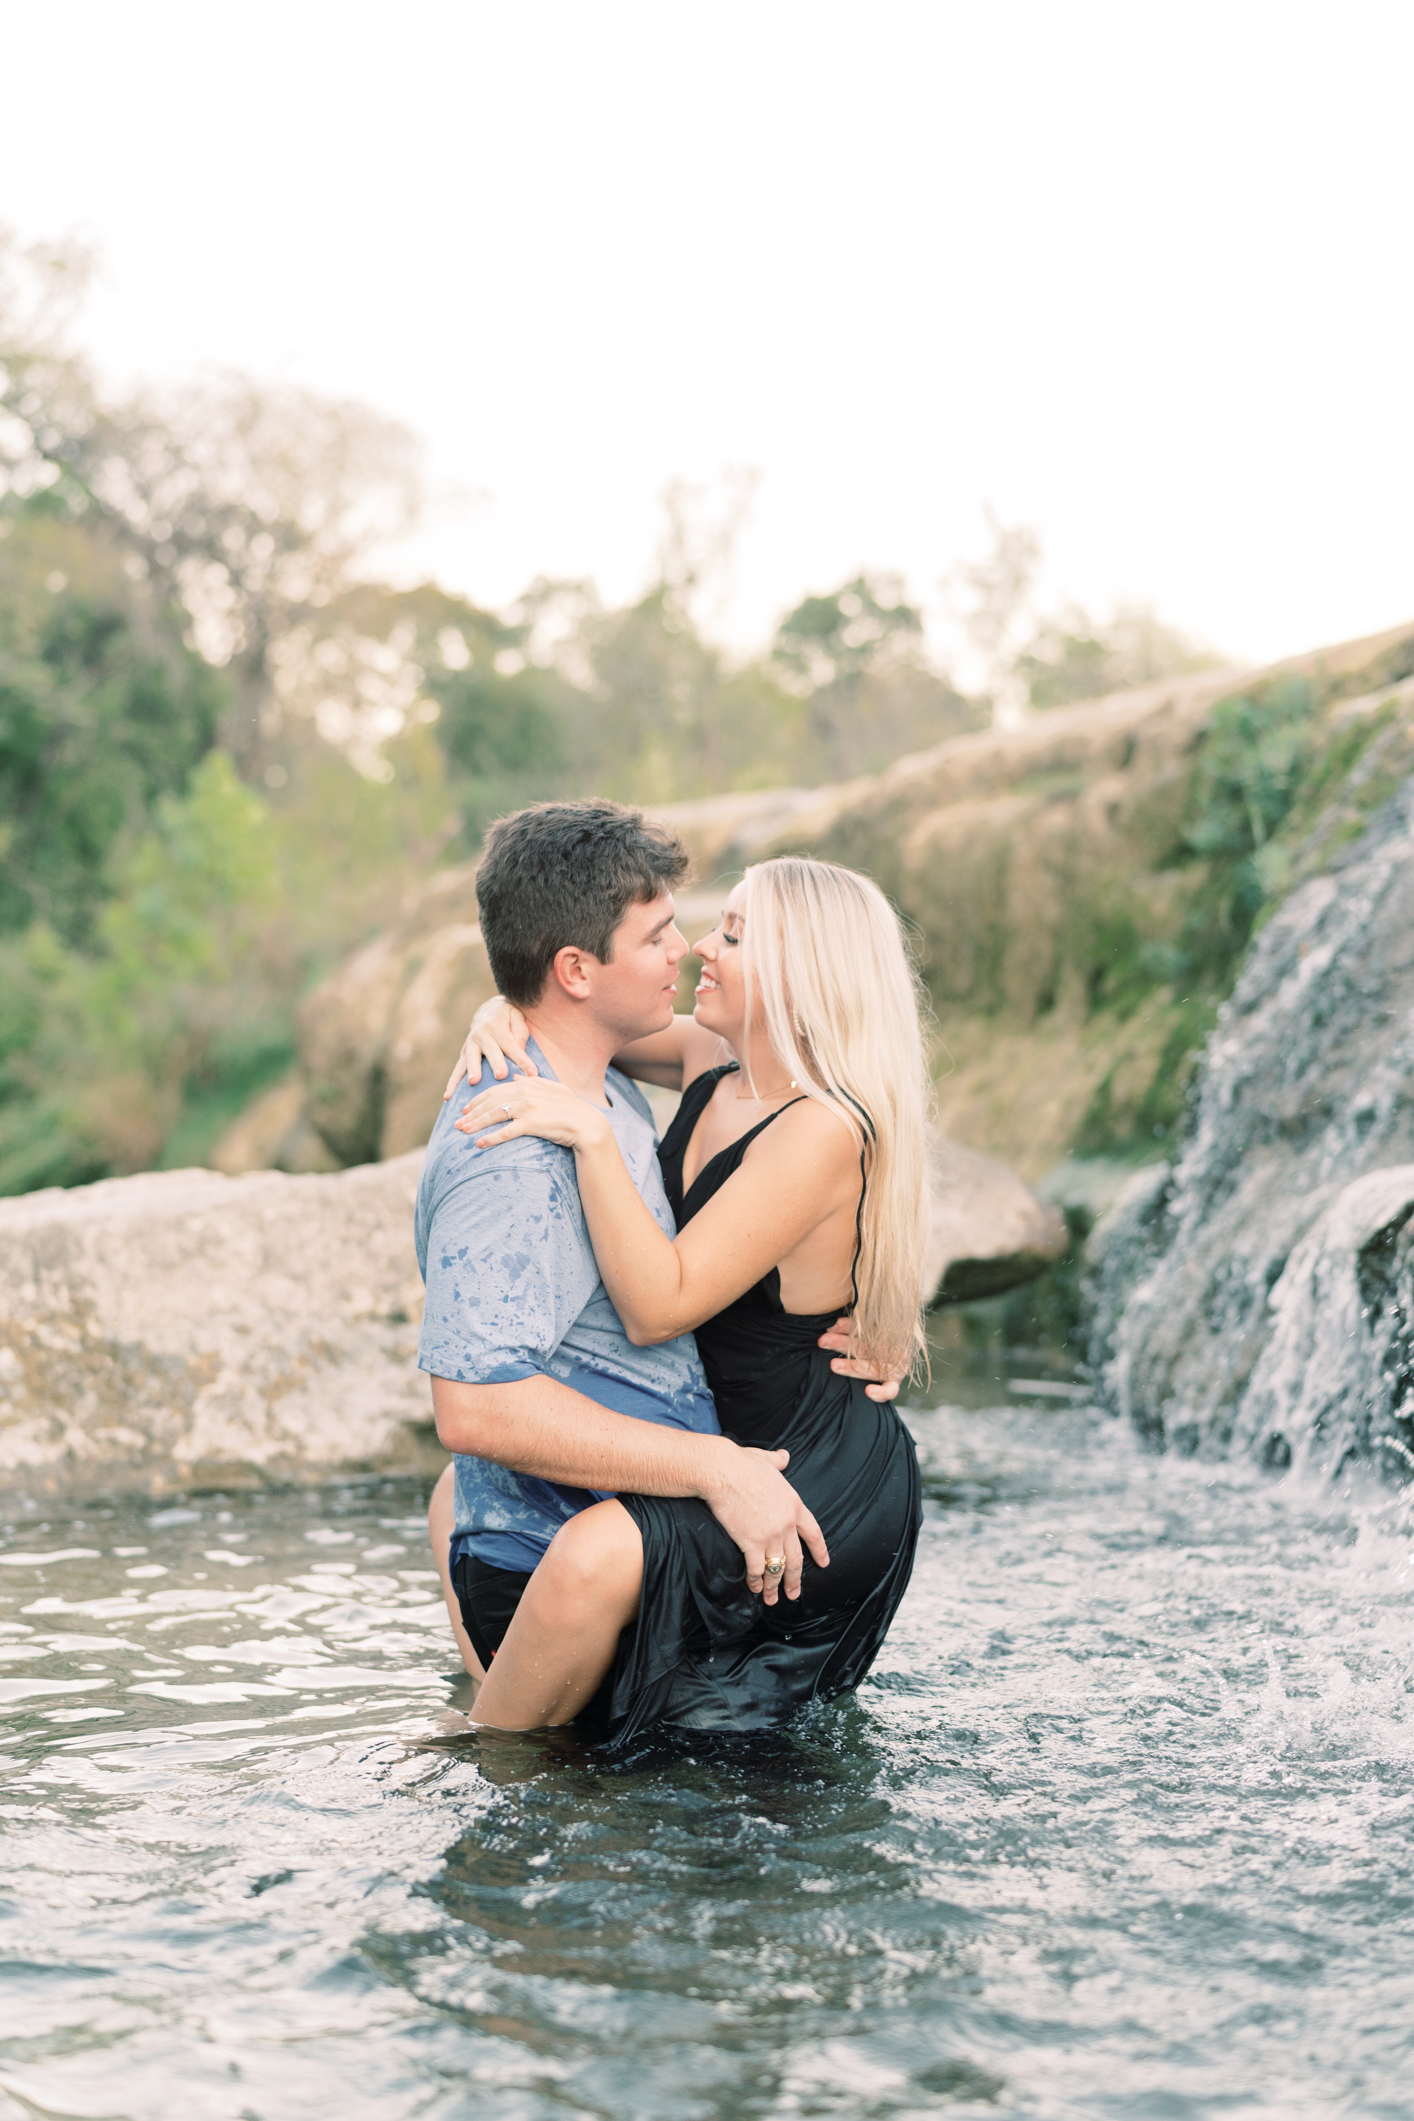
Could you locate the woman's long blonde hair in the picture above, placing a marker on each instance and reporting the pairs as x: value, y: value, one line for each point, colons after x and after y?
x: 830, y: 982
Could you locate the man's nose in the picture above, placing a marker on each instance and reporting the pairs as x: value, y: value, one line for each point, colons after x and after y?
x: 677, y: 944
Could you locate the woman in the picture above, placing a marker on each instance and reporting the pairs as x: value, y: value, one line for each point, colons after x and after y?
x: 795, y: 1170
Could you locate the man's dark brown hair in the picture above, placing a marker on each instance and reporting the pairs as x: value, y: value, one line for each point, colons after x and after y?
x: 563, y: 873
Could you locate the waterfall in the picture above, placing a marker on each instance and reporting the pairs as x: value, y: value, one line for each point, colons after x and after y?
x: 1257, y: 1297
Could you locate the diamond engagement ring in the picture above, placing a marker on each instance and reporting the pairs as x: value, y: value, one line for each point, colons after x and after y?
x: 775, y: 1564
x: 508, y: 1112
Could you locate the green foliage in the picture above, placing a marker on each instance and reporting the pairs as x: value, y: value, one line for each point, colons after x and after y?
x: 663, y: 717
x: 494, y: 727
x: 504, y: 734
x: 191, y: 907
x: 1256, y: 750
x: 853, y: 658
x: 846, y: 633
x: 1277, y: 787
x: 103, y: 1043
x: 1148, y: 1125
x: 241, y: 1062
x: 103, y: 710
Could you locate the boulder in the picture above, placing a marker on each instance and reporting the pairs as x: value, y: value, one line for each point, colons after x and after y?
x: 184, y: 1329
x: 1335, y: 1378
x: 989, y: 1232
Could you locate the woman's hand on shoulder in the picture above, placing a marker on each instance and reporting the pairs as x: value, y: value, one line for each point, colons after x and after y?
x: 498, y: 1034
x: 532, y: 1106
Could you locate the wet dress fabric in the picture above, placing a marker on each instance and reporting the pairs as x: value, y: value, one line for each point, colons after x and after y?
x: 704, y: 1651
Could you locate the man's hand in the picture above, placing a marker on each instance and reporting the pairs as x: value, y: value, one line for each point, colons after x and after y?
x: 758, y: 1508
x: 539, y: 1426
x: 883, y: 1384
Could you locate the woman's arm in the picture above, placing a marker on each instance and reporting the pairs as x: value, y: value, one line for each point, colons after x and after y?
x: 800, y: 1171
x: 673, y: 1057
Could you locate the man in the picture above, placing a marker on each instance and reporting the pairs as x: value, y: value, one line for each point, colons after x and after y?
x: 535, y: 1385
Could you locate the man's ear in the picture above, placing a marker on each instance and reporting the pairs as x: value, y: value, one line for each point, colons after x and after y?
x: 571, y: 970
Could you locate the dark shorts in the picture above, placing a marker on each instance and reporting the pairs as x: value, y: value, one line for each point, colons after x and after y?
x: 488, y: 1596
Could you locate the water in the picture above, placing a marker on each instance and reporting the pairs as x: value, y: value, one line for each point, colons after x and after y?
x: 1121, y: 1825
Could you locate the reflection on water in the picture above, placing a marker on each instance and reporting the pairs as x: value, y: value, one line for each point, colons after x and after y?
x: 1119, y: 1827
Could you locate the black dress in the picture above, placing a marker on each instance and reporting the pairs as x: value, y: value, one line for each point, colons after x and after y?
x: 704, y: 1651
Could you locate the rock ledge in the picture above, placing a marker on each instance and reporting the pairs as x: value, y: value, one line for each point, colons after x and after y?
x: 186, y: 1329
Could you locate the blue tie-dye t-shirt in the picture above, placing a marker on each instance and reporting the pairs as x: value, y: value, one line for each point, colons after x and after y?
x: 513, y: 1291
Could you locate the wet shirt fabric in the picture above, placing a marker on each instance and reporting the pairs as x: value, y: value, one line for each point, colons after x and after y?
x: 513, y: 1291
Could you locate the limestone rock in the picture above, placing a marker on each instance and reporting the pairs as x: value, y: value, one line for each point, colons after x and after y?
x: 182, y: 1328
x: 1336, y: 1375
x: 989, y: 1231
x: 378, y: 1037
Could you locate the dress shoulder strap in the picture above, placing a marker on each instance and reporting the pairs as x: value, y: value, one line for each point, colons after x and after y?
x: 699, y: 1091
x: 763, y: 1124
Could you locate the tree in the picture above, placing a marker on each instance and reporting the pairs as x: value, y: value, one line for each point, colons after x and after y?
x: 103, y: 710
x: 855, y: 657
x: 251, y: 507
x: 1077, y: 657
x: 841, y: 636
x: 257, y: 507
x: 47, y: 396
x: 1033, y: 659
x: 993, y: 599
x: 99, y: 1046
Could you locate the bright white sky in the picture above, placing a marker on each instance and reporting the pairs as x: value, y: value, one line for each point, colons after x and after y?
x: 1135, y: 271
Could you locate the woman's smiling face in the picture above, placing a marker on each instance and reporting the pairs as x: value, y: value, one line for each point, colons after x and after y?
x: 721, y: 991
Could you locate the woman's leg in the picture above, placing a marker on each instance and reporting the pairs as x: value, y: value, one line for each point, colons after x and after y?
x: 567, y: 1625
x: 440, y: 1519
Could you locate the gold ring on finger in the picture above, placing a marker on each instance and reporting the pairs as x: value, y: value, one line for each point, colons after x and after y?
x: 775, y: 1564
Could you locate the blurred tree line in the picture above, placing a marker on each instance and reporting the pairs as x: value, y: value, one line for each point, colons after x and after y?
x: 1032, y: 659
x: 224, y: 742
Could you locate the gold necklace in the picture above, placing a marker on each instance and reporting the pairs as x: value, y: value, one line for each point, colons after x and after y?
x: 759, y: 1100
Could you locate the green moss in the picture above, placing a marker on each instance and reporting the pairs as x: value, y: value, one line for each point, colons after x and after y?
x: 1119, y: 1123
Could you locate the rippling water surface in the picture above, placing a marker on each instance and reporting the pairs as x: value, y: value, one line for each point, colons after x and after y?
x: 1123, y: 1824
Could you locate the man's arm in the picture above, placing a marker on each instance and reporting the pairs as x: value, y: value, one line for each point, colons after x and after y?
x: 542, y: 1427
